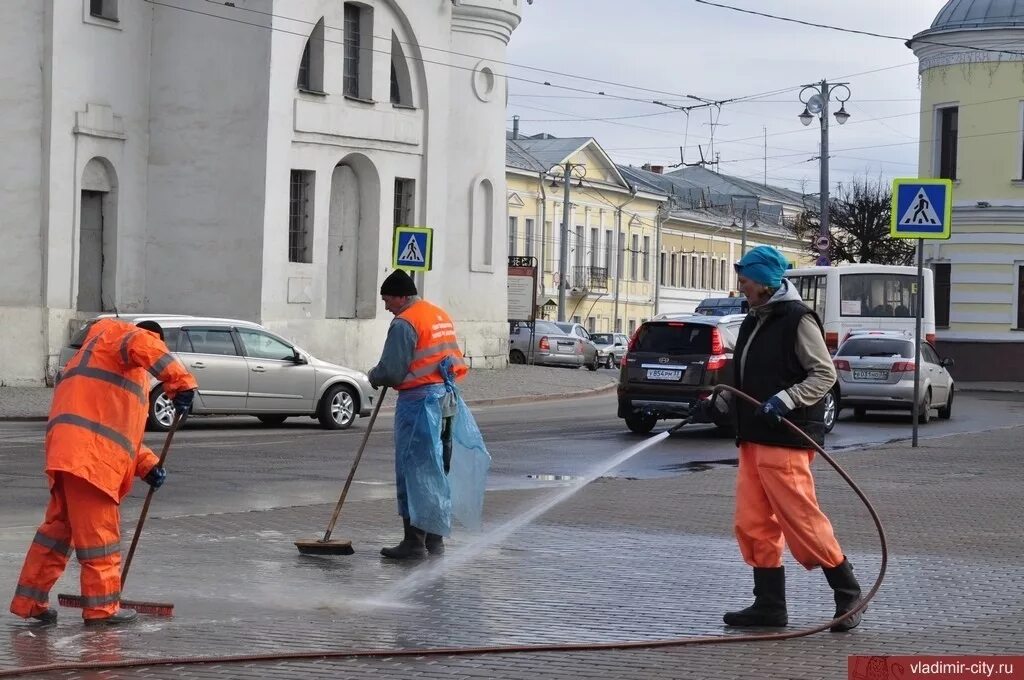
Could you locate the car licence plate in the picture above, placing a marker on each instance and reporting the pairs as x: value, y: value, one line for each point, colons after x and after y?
x: 869, y: 374
x: 662, y: 374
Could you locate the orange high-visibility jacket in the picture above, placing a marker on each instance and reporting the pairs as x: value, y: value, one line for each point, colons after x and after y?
x: 435, y: 340
x: 101, y: 402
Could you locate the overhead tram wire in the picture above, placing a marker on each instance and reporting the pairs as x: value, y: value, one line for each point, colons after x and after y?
x: 872, y: 34
x: 423, y: 59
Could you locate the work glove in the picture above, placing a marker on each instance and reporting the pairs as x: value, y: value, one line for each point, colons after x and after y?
x: 703, y: 411
x: 183, y: 401
x: 155, y: 477
x: 772, y: 411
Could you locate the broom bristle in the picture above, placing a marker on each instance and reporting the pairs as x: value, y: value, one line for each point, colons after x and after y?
x: 325, y: 547
x: 152, y: 608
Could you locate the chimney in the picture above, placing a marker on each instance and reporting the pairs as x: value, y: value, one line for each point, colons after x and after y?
x: 658, y: 169
x: 515, y: 127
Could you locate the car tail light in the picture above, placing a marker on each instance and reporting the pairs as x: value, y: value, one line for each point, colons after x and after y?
x: 841, y: 364
x: 903, y: 367
x: 579, y: 347
x: 930, y: 337
x: 717, y: 362
x: 717, y: 346
x: 544, y: 344
x: 832, y: 341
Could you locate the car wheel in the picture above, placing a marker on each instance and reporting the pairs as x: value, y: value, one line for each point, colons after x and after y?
x: 337, y: 409
x: 946, y: 412
x: 516, y: 357
x: 859, y: 413
x: 925, y: 413
x: 595, y: 365
x: 639, y: 423
x: 609, y: 362
x: 161, y: 411
x: 272, y: 420
x: 831, y: 410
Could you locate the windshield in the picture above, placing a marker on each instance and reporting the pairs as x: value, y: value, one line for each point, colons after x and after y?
x: 602, y: 338
x: 674, y: 338
x: 878, y: 295
x: 877, y: 347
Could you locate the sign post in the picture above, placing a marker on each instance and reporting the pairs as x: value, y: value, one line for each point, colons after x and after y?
x: 921, y: 209
x: 522, y: 295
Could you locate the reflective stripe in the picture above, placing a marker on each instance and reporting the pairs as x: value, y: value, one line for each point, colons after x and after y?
x: 432, y: 367
x: 87, y: 354
x: 99, y: 600
x: 434, y: 349
x: 161, y: 365
x: 109, y: 377
x: 102, y: 551
x: 32, y: 594
x: 53, y: 544
x: 94, y: 427
x: 124, y: 347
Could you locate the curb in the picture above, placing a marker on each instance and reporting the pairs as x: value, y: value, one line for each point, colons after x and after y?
x: 499, y: 401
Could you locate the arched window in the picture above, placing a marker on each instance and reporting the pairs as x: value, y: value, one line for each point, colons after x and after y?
x: 311, y: 66
x: 401, y: 82
x: 97, y: 238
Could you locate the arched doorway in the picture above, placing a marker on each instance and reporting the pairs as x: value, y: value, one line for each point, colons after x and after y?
x: 353, y: 239
x: 97, y: 238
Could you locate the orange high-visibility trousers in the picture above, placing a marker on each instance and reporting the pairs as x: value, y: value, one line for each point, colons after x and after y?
x: 84, y: 517
x: 776, y: 504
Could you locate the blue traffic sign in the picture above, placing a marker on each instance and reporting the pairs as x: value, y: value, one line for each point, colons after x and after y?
x: 413, y: 248
x: 921, y: 208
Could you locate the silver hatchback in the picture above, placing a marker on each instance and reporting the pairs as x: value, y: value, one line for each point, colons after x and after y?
x: 876, y: 371
x: 244, y: 369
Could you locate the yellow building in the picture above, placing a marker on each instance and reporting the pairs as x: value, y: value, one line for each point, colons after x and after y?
x: 610, y: 280
x: 972, y: 111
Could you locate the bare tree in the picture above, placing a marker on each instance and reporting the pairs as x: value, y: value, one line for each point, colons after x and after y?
x: 859, y: 216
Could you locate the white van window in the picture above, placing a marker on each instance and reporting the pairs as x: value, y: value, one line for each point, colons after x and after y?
x: 878, y: 295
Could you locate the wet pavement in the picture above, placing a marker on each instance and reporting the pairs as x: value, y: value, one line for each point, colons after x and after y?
x: 623, y: 559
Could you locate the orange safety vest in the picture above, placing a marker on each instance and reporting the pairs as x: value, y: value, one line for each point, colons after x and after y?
x: 435, y: 340
x: 101, y: 403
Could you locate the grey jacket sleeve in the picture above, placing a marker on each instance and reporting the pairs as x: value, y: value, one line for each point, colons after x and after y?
x: 397, y: 356
x: 813, y: 355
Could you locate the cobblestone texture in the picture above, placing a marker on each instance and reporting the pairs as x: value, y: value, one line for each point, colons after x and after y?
x: 621, y: 560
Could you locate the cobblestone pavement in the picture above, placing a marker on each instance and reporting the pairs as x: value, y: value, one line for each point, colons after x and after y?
x: 620, y: 560
x: 480, y: 386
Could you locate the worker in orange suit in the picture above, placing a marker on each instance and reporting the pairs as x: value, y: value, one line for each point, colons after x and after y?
x: 94, y: 450
x: 781, y: 360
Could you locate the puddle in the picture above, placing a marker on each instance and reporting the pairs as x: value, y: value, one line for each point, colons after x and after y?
x: 699, y: 465
x: 553, y: 478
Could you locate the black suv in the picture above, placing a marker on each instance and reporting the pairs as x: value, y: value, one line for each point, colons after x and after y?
x: 723, y: 306
x: 672, y: 363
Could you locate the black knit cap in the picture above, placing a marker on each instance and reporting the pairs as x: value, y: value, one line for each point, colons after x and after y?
x: 398, y: 284
x: 151, y: 326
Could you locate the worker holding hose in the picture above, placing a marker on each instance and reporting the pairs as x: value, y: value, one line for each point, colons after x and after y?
x: 94, y: 450
x: 422, y: 360
x: 781, y: 360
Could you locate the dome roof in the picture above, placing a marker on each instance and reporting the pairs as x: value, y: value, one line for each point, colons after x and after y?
x: 967, y: 14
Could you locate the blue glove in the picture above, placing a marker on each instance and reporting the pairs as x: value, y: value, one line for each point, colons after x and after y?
x: 773, y: 411
x: 156, y: 477
x: 183, y: 401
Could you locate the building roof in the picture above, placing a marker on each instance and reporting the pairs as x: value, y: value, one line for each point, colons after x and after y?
x: 541, y: 153
x: 698, y: 187
x: 967, y: 14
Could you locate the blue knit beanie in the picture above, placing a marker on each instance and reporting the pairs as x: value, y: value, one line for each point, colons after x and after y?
x: 763, y: 264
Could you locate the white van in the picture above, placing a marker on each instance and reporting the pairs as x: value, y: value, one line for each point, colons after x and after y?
x: 865, y: 296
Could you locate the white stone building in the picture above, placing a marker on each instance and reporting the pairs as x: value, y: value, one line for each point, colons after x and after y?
x: 250, y: 160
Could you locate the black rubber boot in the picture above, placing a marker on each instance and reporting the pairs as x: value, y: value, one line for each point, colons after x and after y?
x: 118, y: 617
x: 769, y: 608
x: 47, y: 618
x: 847, y: 594
x: 412, y: 546
x: 435, y: 544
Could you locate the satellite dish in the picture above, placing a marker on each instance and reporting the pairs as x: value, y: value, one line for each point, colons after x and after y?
x: 815, y: 104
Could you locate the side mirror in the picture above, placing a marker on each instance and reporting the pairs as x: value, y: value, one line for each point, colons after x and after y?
x: 946, y: 363
x: 618, y: 344
x: 298, y: 358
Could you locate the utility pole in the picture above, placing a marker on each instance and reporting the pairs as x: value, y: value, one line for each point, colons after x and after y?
x: 765, y: 155
x: 743, y: 242
x: 817, y: 104
x: 568, y: 169
x: 544, y: 234
x: 620, y: 256
x: 657, y: 257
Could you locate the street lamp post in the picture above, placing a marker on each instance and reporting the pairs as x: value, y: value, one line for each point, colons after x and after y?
x: 816, y: 104
x: 569, y: 170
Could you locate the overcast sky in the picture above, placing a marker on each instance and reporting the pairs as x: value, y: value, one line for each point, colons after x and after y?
x: 684, y: 48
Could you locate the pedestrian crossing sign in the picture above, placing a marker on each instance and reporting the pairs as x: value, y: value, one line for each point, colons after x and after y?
x: 413, y: 247
x: 921, y: 208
